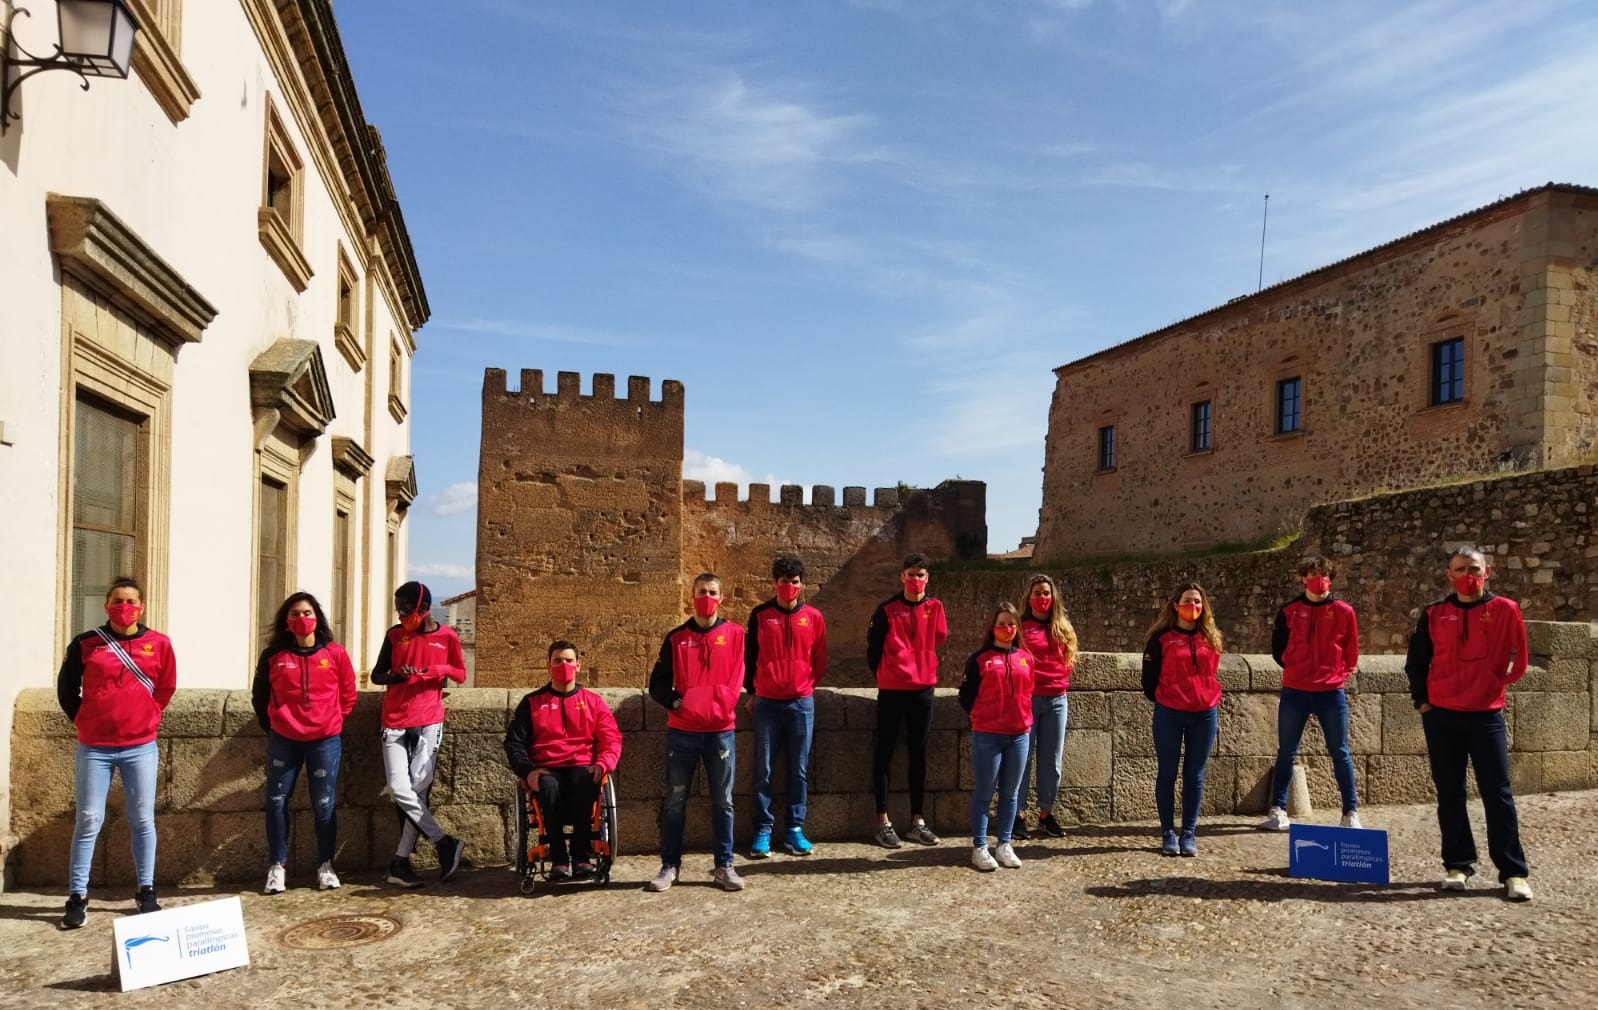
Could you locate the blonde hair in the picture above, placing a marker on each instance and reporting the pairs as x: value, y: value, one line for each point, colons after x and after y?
x: 1206, y: 622
x: 1061, y: 634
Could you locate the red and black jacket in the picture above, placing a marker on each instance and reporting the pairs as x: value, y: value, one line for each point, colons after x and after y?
x: 417, y: 700
x: 105, y: 701
x: 304, y: 694
x: 554, y: 730
x: 1463, y: 655
x: 1179, y: 671
x: 997, y: 690
x: 1316, y: 644
x: 902, y: 643
x: 785, y: 651
x: 1051, y: 675
x: 699, y: 675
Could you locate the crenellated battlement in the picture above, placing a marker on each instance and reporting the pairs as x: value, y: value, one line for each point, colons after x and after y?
x: 790, y: 496
x: 568, y: 389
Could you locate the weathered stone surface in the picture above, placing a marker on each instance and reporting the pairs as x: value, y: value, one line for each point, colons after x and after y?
x: 626, y: 704
x: 194, y: 712
x: 482, y: 827
x: 1133, y: 718
x: 365, y: 721
x: 1402, y: 732
x: 1087, y: 710
x: 1552, y: 721
x: 1107, y: 671
x: 1567, y: 770
x: 1220, y: 785
x: 235, y: 847
x: 479, y: 773
x: 1365, y: 722
x: 238, y: 716
x: 642, y: 773
x: 479, y: 710
x: 42, y: 780
x: 219, y: 774
x: 42, y: 851
x: 1554, y: 638
x: 351, y: 853
x: 1077, y: 805
x: 1383, y: 675
x: 1400, y: 778
x: 1564, y: 674
x: 1088, y: 758
x: 1132, y: 785
x: 1247, y: 724
x: 38, y: 714
x: 1264, y: 674
x: 1525, y: 774
x: 180, y: 846
x: 1234, y: 671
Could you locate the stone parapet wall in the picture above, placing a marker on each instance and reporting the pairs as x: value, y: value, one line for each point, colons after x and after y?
x: 212, y: 755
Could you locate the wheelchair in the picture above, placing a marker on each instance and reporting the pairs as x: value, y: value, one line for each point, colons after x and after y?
x: 533, y: 837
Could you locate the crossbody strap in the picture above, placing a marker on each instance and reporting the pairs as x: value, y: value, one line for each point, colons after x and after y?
x: 127, y: 660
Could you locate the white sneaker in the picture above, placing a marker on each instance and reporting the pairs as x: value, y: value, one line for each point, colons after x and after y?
x: 1516, y: 889
x: 274, y: 879
x: 1351, y: 820
x: 1455, y: 880
x: 1276, y: 820
x: 981, y: 859
x: 726, y: 878
x: 326, y: 879
x: 662, y: 880
x: 1006, y: 857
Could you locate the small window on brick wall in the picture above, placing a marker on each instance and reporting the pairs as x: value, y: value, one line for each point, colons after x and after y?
x: 1289, y: 405
x: 1448, y: 372
x: 1106, y: 457
x: 1200, y: 439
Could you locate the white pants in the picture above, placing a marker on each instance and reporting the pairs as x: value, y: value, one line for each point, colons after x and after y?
x: 410, y: 757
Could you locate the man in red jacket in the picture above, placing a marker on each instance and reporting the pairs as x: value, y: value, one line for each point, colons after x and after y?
x: 698, y: 678
x: 1316, y: 643
x: 562, y: 742
x: 1468, y: 647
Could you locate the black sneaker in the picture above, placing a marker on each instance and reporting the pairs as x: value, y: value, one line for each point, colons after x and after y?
x: 449, y: 856
x: 1049, y: 826
x: 560, y: 873
x: 1019, y: 832
x: 145, y: 900
x: 77, y: 911
x: 400, y: 872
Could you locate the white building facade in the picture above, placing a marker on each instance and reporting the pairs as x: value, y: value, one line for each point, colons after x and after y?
x: 208, y: 301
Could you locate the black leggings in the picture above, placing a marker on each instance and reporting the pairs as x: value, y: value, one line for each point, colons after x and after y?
x: 914, y: 709
x: 566, y: 796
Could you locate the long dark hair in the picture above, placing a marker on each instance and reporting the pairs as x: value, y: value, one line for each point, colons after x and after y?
x: 283, y: 638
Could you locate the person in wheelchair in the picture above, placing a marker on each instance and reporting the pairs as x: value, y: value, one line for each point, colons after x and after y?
x: 561, y: 743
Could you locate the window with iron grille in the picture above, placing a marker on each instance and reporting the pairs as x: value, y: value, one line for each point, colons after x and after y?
x: 1107, y: 447
x: 1289, y: 405
x: 1201, y: 426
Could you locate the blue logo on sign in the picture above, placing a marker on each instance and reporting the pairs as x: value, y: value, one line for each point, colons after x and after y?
x: 139, y: 941
x: 1351, y: 855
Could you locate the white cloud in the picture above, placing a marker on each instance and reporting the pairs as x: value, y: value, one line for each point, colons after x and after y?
x: 454, y: 500
x: 697, y: 465
x: 444, y: 571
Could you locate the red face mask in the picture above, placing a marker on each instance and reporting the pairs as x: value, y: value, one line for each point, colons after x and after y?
x: 302, y: 624
x: 1003, y: 633
x: 1042, y: 604
x: 1318, y: 584
x: 915, y: 587
x: 562, y: 672
x: 787, y: 593
x: 1189, y: 611
x: 705, y: 606
x: 1468, y: 585
x: 410, y: 622
x: 124, y: 615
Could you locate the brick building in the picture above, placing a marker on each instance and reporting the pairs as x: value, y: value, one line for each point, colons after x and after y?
x: 1468, y: 348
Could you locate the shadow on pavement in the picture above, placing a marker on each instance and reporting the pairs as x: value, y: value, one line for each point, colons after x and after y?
x: 1283, y: 889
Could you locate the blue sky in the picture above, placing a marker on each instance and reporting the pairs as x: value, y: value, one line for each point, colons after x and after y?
x: 862, y: 234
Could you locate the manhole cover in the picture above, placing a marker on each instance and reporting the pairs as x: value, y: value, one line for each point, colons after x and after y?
x: 338, y: 931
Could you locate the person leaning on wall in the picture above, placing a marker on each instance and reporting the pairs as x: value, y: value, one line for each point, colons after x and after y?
x: 1179, y: 676
x: 114, y: 684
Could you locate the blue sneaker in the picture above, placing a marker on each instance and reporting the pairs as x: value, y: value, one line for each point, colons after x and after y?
x: 760, y: 848
x: 796, y: 843
x: 1189, y: 844
x: 1168, y: 845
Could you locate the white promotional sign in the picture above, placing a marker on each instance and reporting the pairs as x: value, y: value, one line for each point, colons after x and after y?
x: 176, y: 943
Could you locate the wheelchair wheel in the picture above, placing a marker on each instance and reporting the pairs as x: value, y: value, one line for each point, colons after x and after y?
x: 606, y: 847
x: 526, y: 869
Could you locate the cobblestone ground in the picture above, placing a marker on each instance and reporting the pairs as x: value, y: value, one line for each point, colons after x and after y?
x: 1096, y: 920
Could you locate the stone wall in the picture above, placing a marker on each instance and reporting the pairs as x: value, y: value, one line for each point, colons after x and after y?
x: 1514, y: 280
x: 210, y: 794
x: 1537, y: 529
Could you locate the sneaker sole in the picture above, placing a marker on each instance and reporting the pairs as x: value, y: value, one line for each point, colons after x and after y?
x: 1452, y: 885
x: 412, y: 884
x: 454, y: 866
x: 797, y: 852
x: 758, y: 854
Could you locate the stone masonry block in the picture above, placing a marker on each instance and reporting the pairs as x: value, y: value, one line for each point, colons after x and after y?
x: 859, y: 705
x: 1254, y: 780
x: 1234, y: 671
x: 1088, y: 710
x: 829, y: 710
x: 1365, y: 720
x: 365, y: 719
x: 637, y: 826
x: 1397, y: 778
x: 842, y: 760
x: 1552, y: 722
x: 1562, y: 640
x: 218, y: 774
x: 826, y: 816
x: 1133, y: 789
x: 1525, y: 773
x: 180, y: 846
x: 361, y: 780
x: 41, y: 853
x: 946, y: 711
x: 481, y: 826
x: 1083, y: 806
x: 194, y: 712
x: 1132, y: 718
x: 1402, y: 732
x: 967, y: 771
x: 238, y: 716
x: 43, y: 780
x: 351, y: 851
x: 1567, y: 770
x: 1108, y: 671
x: 37, y: 713
x: 479, y: 773
x: 1264, y: 674
x: 1248, y: 724
x: 626, y: 704
x: 1567, y: 675
x: 235, y: 846
x: 1088, y: 760
x: 1383, y: 675
x: 1220, y: 785
x: 950, y: 815
x: 478, y: 710
x: 642, y: 773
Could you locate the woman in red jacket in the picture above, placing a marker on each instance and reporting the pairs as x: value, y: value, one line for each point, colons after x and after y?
x: 114, y: 684
x: 1179, y: 666
x: 1046, y: 633
x: 304, y: 687
x: 997, y: 693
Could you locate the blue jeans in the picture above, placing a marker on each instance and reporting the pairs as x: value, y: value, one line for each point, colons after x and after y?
x: 997, y: 759
x: 1174, y: 732
x: 1453, y: 740
x: 685, y: 751
x: 1047, y: 747
x: 92, y: 773
x: 1330, y: 709
x: 283, y: 760
x: 784, y: 725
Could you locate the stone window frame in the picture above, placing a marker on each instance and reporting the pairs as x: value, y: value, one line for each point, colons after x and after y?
x: 156, y: 60
x: 1435, y: 380
x: 278, y: 462
x: 1203, y: 390
x: 1201, y: 426
x: 280, y: 219
x: 1107, y: 422
x: 351, y: 465
x: 1443, y: 330
x: 396, y: 380
x: 1292, y: 367
x: 347, y: 312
